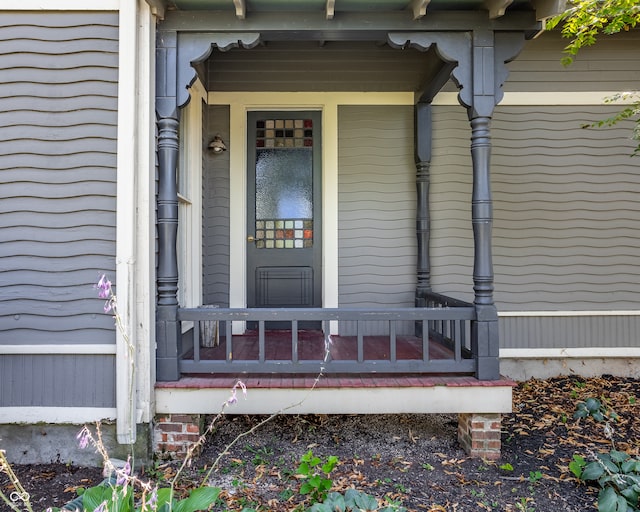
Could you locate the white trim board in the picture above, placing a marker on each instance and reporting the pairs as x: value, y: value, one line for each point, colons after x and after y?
x: 383, y: 400
x: 59, y: 5
x: 570, y: 353
x: 540, y: 98
x: 58, y: 349
x: 74, y: 415
x: 523, y: 314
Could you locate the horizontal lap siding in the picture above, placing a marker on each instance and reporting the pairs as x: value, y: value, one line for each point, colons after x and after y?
x: 216, y: 210
x: 376, y: 208
x: 58, y: 138
x: 610, y: 65
x: 565, y: 222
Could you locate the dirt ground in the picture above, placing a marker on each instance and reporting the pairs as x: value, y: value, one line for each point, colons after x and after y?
x: 413, y: 460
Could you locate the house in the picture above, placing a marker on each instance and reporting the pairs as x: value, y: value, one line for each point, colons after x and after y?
x: 449, y: 224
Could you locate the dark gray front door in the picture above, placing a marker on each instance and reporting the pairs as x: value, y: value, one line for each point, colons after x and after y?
x: 284, y: 244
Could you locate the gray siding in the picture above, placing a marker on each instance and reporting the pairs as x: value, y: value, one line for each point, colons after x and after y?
x: 610, y: 65
x: 216, y: 210
x: 565, y: 222
x: 570, y: 332
x: 58, y: 126
x: 376, y: 207
x: 34, y: 380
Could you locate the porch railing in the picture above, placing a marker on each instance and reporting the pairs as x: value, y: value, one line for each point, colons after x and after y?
x: 448, y: 335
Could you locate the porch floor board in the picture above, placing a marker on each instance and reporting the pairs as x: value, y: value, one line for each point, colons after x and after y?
x: 360, y: 381
x: 311, y: 347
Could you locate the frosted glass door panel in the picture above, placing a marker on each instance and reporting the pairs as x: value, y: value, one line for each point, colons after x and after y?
x: 284, y: 184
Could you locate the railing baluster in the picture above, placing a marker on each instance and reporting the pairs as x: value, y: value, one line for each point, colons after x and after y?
x: 425, y: 346
x: 196, y: 341
x: 392, y: 340
x: 261, y: 351
x: 360, y: 341
x: 228, y: 338
x: 458, y: 341
x: 294, y: 341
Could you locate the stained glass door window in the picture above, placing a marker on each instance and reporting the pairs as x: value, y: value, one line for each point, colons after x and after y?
x: 284, y: 183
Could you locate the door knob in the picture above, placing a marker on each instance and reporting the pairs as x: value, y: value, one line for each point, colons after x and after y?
x: 250, y: 239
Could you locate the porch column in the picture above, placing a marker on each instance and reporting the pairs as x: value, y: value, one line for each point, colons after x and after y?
x: 423, y: 223
x: 167, y: 112
x: 167, y: 325
x: 484, y: 331
x: 490, y: 51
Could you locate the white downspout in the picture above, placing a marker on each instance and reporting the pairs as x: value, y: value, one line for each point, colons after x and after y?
x: 126, y: 222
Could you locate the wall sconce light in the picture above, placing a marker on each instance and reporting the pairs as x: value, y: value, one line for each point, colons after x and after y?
x: 217, y: 145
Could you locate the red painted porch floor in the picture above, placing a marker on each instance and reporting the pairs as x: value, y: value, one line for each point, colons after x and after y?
x: 311, y: 346
x: 358, y: 381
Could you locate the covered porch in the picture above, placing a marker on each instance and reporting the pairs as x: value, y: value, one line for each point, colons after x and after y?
x: 439, y: 45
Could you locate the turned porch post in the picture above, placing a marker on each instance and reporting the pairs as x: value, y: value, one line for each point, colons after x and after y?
x: 490, y: 51
x: 423, y: 224
x: 167, y: 114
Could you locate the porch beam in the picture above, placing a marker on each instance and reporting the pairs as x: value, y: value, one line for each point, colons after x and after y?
x: 289, y: 26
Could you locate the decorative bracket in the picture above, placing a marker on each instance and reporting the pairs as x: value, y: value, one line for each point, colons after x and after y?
x: 451, y: 47
x: 177, y: 52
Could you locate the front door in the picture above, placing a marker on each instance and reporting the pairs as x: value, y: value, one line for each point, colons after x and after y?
x: 284, y: 252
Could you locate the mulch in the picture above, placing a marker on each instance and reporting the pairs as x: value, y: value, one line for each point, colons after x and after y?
x: 413, y: 460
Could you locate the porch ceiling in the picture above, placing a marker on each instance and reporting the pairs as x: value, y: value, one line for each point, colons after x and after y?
x: 333, y: 66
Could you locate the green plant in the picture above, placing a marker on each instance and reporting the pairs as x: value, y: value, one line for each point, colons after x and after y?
x: 315, y: 474
x: 261, y: 455
x: 617, y: 474
x: 596, y: 409
x: 506, y: 467
x: 356, y: 501
x: 523, y: 505
x: 535, y: 476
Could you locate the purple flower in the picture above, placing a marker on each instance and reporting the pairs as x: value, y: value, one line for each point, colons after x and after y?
x: 83, y: 437
x: 153, y: 500
x: 124, y: 473
x: 101, y: 507
x: 104, y: 287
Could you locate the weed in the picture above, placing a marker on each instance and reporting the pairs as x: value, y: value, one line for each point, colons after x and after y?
x: 427, y: 466
x: 315, y: 474
x: 535, y: 476
x: 506, y: 467
x: 261, y: 456
x: 525, y: 505
x: 592, y: 407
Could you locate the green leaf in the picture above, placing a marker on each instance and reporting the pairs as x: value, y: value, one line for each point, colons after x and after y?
x: 592, y: 471
x: 592, y: 404
x: 631, y: 495
x: 576, y: 465
x: 506, y: 466
x: 164, y: 495
x: 199, y: 499
x: 366, y: 502
x: 336, y: 502
x: 609, y: 501
x: 618, y: 456
x: 322, y: 507
x: 95, y: 496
